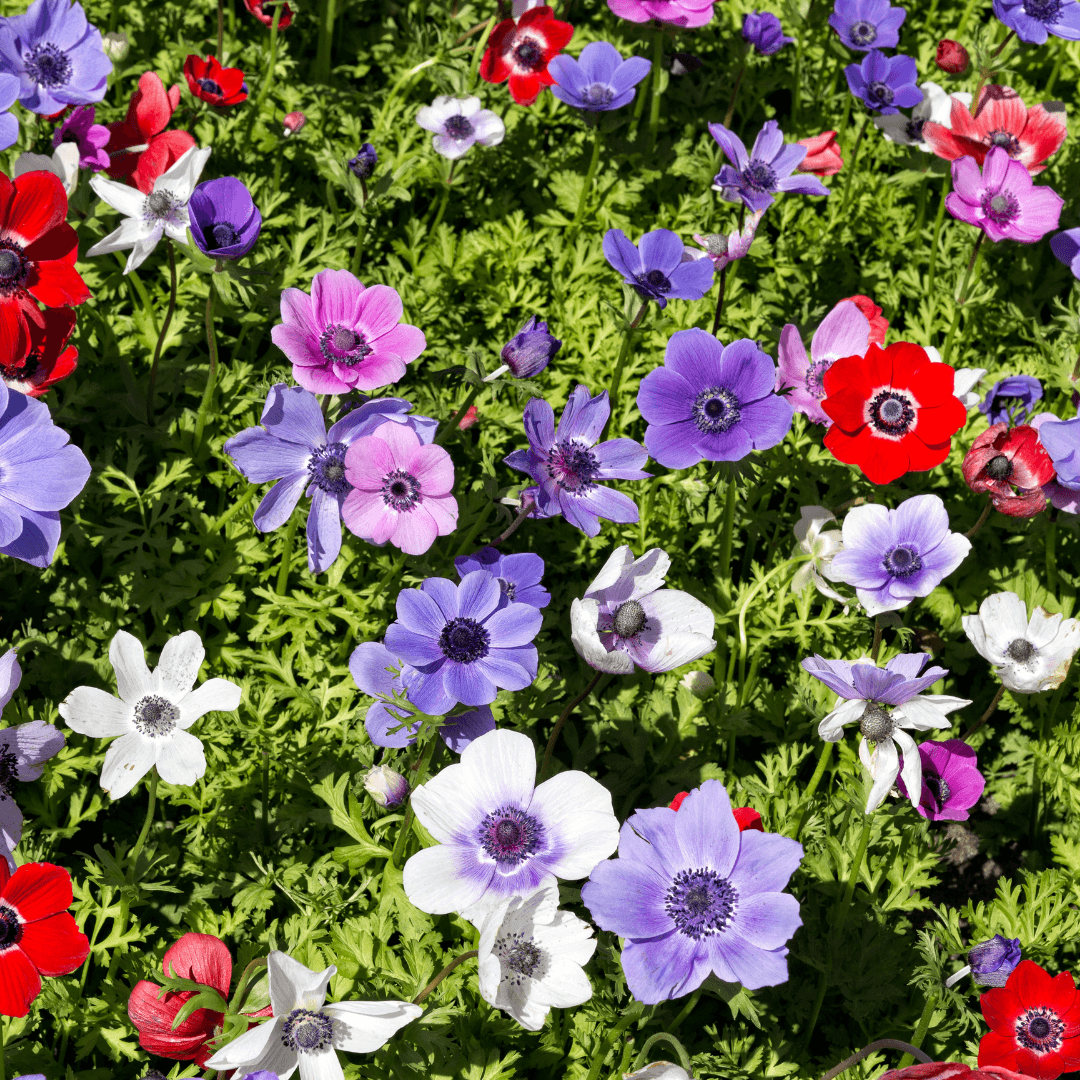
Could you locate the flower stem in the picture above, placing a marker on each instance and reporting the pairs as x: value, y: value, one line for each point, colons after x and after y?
x: 920, y: 1032
x: 164, y: 331
x: 423, y: 766
x: 856, y: 866
x: 268, y: 75
x: 1061, y: 57
x: 566, y: 714
x: 1036, y: 778
x: 590, y: 176
x: 657, y: 72
x: 870, y: 1048
x: 451, y: 425
x: 854, y: 162
x: 938, y: 222
x: 735, y: 93
x: 445, y: 199
x: 876, y: 647
x: 724, y: 568
x: 811, y: 788
x: 361, y: 235
x: 151, y: 803
x: 211, y: 377
x: 327, y: 14
x: 481, y: 45
x: 286, y: 556
x: 220, y: 31
x: 982, y: 518
x: 624, y: 352
x: 720, y: 297
x: 442, y: 974
x: 632, y: 1013
x: 512, y: 527
x: 663, y: 1036
x: 961, y: 296
x: 991, y: 709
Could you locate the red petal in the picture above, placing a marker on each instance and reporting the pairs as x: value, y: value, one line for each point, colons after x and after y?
x: 923, y: 456
x: 39, y: 204
x: 747, y: 818
x: 932, y: 384
x: 14, y: 345
x: 152, y: 107
x: 940, y: 423
x: 1023, y: 504
x: 1043, y: 135
x: 164, y: 150
x: 846, y: 408
x: 1000, y: 1008
x: 195, y: 67
x: 201, y: 957
x: 844, y: 447
x: 55, y: 946
x: 678, y: 800
x: 38, y: 890
x: 906, y: 360
x: 997, y: 1049
x: 153, y: 1020
x: 55, y: 284
x: 885, y: 461
x: 854, y: 373
x: 1000, y: 109
x: 525, y: 89
x: 1041, y: 1066
x: 19, y: 982
x: 60, y: 243
x: 7, y: 193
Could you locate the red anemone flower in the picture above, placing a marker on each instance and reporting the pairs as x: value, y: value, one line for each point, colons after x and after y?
x: 140, y: 147
x: 893, y: 411
x: 255, y: 7
x: 38, y: 249
x: 745, y: 816
x: 520, y: 52
x: 878, y: 325
x: 1029, y: 135
x: 1034, y: 1023
x: 949, y: 1070
x: 50, y: 358
x: 1003, y: 459
x: 214, y: 84
x: 38, y: 936
x: 822, y: 155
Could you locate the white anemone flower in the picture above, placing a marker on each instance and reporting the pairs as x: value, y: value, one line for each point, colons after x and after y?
x: 626, y: 618
x: 531, y: 956
x: 305, y: 1031
x: 1029, y: 656
x: 821, y: 546
x: 164, y: 212
x: 152, y: 713
x: 458, y: 123
x: 964, y: 383
x: 936, y: 105
x: 63, y: 163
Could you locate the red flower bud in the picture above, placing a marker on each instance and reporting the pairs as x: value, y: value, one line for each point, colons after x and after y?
x: 471, y: 416
x: 293, y: 122
x: 952, y: 57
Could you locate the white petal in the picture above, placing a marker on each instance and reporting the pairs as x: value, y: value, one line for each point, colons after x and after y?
x: 674, y: 650
x: 812, y: 519
x: 321, y: 1065
x: 973, y: 627
x: 66, y: 156
x: 293, y: 986
x: 362, y: 1027
x: 127, y: 761
x: 131, y: 231
x: 659, y: 1070
x: 577, y: 814
x: 927, y: 711
x: 885, y: 765
x: 584, y: 618
x: 500, y: 768
x: 215, y: 695
x: 128, y: 200
x: 564, y: 985
x: 912, y: 771
x: 964, y: 382
x: 178, y: 667
x: 895, y: 128
x: 1004, y: 619
x: 626, y: 578
x: 831, y: 728
x: 133, y: 679
x: 936, y: 105
x: 180, y: 758
x: 826, y: 589
x: 1043, y: 628
x: 182, y: 176
x: 144, y: 247
x: 679, y: 612
x: 255, y: 1050
x: 92, y: 712
x: 442, y: 879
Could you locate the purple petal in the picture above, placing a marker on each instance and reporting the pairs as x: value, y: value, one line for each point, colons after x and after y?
x: 731, y: 144
x: 458, y: 731
x: 280, y: 501
x: 661, y: 249
x: 323, y: 531
x: 584, y: 417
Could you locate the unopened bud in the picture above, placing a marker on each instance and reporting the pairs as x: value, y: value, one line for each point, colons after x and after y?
x: 659, y: 1070
x: 386, y: 787
x: 993, y: 961
x: 530, y: 350
x: 472, y: 414
x: 700, y: 683
x: 952, y: 57
x: 293, y: 122
x: 363, y: 165
x: 115, y: 45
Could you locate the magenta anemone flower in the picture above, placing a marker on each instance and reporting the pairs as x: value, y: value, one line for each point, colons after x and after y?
x: 951, y: 781
x: 686, y: 13
x: 91, y: 138
x: 344, y: 336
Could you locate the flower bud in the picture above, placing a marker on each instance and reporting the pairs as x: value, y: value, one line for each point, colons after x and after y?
x: 530, y: 350
x: 952, y: 57
x: 472, y: 414
x: 293, y: 122
x: 363, y: 165
x: 747, y: 818
x: 683, y: 63
x: 115, y: 45
x: 992, y: 961
x: 386, y: 787
x: 700, y: 683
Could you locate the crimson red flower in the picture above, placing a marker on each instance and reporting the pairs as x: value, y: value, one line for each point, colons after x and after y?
x: 1034, y: 1023
x: 49, y: 359
x: 952, y: 57
x: 949, y: 1070
x: 1011, y: 466
x: 822, y: 155
x: 1029, y: 135
x: 38, y: 249
x: 520, y: 52
x: 745, y: 817
x: 214, y: 84
x: 878, y: 325
x: 893, y: 411
x: 140, y: 147
x: 37, y: 934
x: 255, y: 7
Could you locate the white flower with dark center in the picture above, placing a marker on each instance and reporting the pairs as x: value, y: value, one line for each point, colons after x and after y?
x: 821, y: 546
x: 152, y: 714
x: 626, y: 618
x: 1029, y: 656
x: 532, y: 955
x: 458, y: 123
x: 936, y: 105
x: 164, y: 212
x: 305, y: 1031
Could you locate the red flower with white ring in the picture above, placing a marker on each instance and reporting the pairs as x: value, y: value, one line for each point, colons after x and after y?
x: 893, y: 411
x: 1011, y: 466
x: 38, y: 936
x: 50, y: 358
x: 1034, y: 1023
x: 520, y: 52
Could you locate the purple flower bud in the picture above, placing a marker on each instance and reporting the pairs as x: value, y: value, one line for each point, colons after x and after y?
x: 363, y: 165
x: 388, y: 788
x: 530, y: 350
x: 763, y: 31
x: 992, y: 961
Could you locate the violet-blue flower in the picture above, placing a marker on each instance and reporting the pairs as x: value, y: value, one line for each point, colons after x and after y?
x: 79, y: 128
x: 599, y: 80
x: 461, y: 643
x: 762, y: 29
x: 1061, y: 440
x: 693, y: 896
x: 711, y: 402
x: 993, y: 961
x: 519, y: 576
x: 655, y: 268
x: 867, y: 24
x: 1010, y: 400
x: 530, y: 350
x: 569, y: 465
x: 884, y: 83
x: 755, y: 178
x: 363, y: 165
x: 56, y: 54
x: 225, y: 221
x: 1035, y: 20
x: 294, y: 448
x: 9, y: 122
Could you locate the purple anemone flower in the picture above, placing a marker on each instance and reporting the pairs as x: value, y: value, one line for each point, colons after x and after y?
x: 599, y: 80
x: 867, y: 24
x: 1010, y: 400
x: 363, y: 165
x: 225, y: 221
x: 710, y: 402
x: 369, y: 666
x: 499, y: 834
x: 519, y: 576
x: 655, y: 268
x: 568, y: 465
x: 762, y: 29
x: 885, y: 84
x: 462, y: 643
x: 951, y: 781
x: 1061, y: 440
x: 993, y: 961
x: 9, y: 122
x: 756, y: 177
x: 1034, y: 20
x: 79, y: 127
x: 694, y: 896
x: 1066, y: 248
x: 294, y: 448
x: 56, y: 54
x: 530, y: 350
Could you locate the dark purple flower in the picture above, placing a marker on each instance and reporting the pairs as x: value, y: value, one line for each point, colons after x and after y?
x: 867, y: 24
x: 755, y: 178
x: 363, y: 165
x: 993, y: 961
x: 294, y: 447
x: 519, y: 576
x: 461, y: 643
x: 1066, y: 248
x: 951, y: 781
x: 711, y: 403
x: 568, y: 465
x: 1034, y: 20
x: 694, y: 896
x: 599, y: 80
x: 225, y: 222
x: 763, y: 31
x: 655, y: 268
x: 530, y: 350
x: 883, y: 83
x: 56, y: 54
x: 1010, y: 400
x: 368, y: 666
x: 79, y: 127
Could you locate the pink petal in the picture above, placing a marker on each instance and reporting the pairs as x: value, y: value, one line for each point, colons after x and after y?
x: 415, y: 532
x: 444, y: 510
x: 298, y: 344
x: 319, y: 380
x: 378, y: 311
x: 403, y: 341
x: 377, y: 371
x: 368, y: 461
x: 336, y: 297
x: 433, y: 468
x: 402, y: 441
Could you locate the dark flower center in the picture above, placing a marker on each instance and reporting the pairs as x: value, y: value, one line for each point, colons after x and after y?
x: 224, y: 234
x: 70, y: 136
x: 1046, y: 11
x: 9, y: 772
x: 1040, y: 1029
x: 160, y: 206
x: 13, y: 267
x: 523, y: 957
x: 305, y: 1031
x: 48, y: 66
x: 464, y: 641
x: 529, y: 55
x: 509, y: 589
x: 11, y: 930
x: 599, y: 94
x: 1021, y: 650
x: 155, y: 716
x: 510, y: 836
x: 327, y: 468
x: 902, y: 561
x: 815, y: 378
x: 1001, y: 207
x: 880, y: 94
x: 629, y: 619
x: 999, y: 467
x: 759, y: 175
x: 715, y: 410
x: 343, y: 345
x: 208, y: 86
x: 458, y: 127
x: 940, y: 791
x: 876, y: 723
x: 892, y: 413
x: 914, y: 129
x: 401, y: 490
x: 1006, y: 140
x: 22, y: 372
x: 863, y: 32
x: 572, y: 466
x: 653, y: 284
x: 700, y: 902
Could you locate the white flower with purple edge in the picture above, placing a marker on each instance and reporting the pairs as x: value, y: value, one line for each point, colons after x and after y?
x: 458, y: 123
x: 499, y: 835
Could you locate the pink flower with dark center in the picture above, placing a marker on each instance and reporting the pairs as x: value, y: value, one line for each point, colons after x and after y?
x: 344, y: 336
x: 951, y: 781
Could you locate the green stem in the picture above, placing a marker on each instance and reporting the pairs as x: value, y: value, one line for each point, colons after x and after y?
x: 796, y: 80
x: 620, y: 363
x: 1036, y: 778
x: 211, y: 377
x: 395, y: 569
x: 724, y: 567
x: 920, y: 1031
x: 657, y: 72
x: 982, y: 519
x: 632, y: 1013
x: 850, y: 169
x: 686, y: 1010
x: 735, y: 93
x: 972, y: 268
x: 875, y: 649
x: 964, y: 20
x: 327, y: 14
x: 423, y: 767
x: 856, y: 866
x: 444, y: 202
x: 945, y: 185
x: 361, y: 234
x: 721, y: 292
x: 590, y: 176
x: 136, y: 851
x: 1062, y: 47
x: 663, y: 1036
x: 221, y: 31
x: 481, y: 45
x: 991, y: 709
x: 268, y: 75
x: 442, y: 974
x: 811, y: 788
x: 286, y: 556
x: 563, y: 717
x: 164, y: 331
x: 450, y: 426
